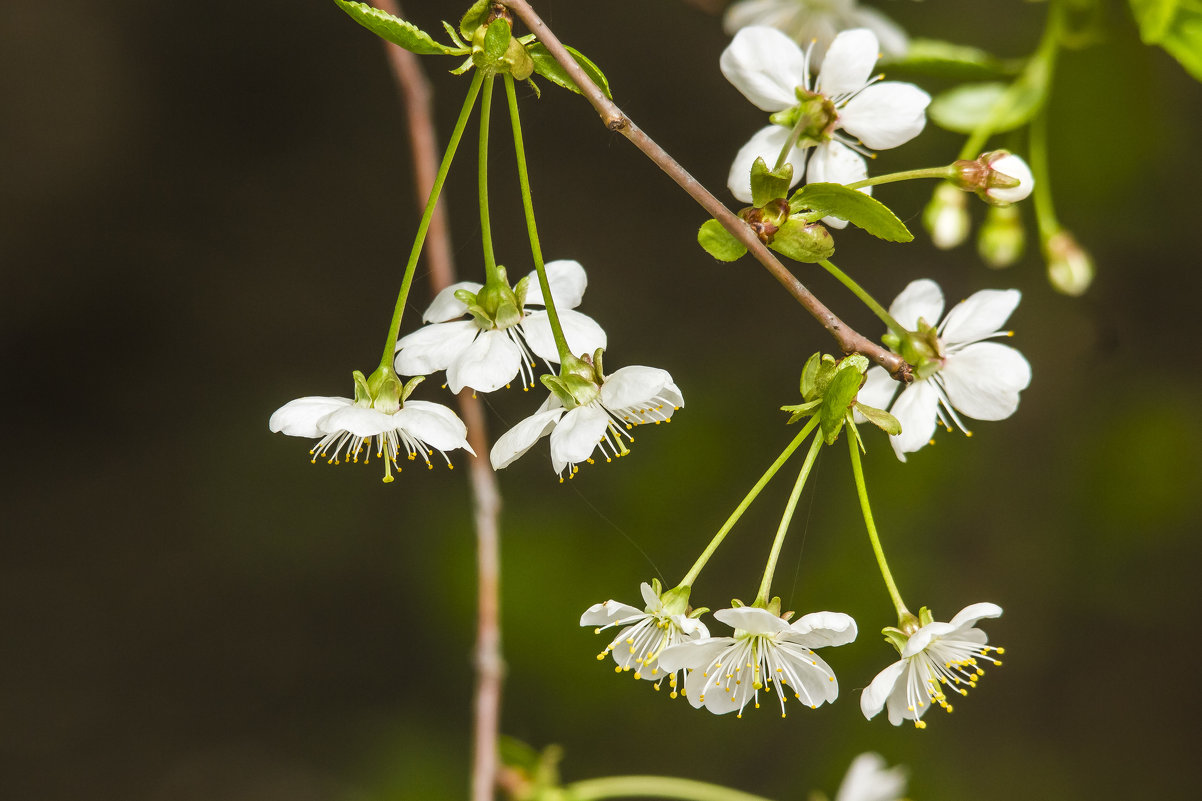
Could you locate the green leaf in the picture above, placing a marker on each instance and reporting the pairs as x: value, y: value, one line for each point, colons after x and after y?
x: 854, y: 206
x: 476, y: 16
x: 967, y: 107
x: 946, y: 60
x: 809, y: 376
x: 808, y: 243
x: 839, y: 395
x: 496, y: 40
x: 546, y: 66
x: 880, y: 418
x: 394, y: 30
x: 1175, y: 25
x: 718, y: 242
x: 801, y: 410
x: 767, y: 185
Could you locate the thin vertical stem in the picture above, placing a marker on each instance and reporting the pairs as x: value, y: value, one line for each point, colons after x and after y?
x: 415, y: 96
x: 862, y: 491
x: 490, y: 260
x: 761, y: 598
x: 868, y: 300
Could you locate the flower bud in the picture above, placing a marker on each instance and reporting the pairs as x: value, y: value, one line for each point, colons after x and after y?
x: 998, y: 177
x: 946, y: 217
x: 766, y: 220
x: 1070, y: 267
x: 1002, y: 237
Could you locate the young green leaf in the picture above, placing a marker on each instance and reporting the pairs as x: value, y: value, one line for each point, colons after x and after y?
x: 546, y: 66
x: 854, y: 206
x: 880, y: 418
x: 948, y: 60
x: 767, y: 185
x: 967, y: 107
x: 1175, y: 25
x: 394, y: 30
x: 839, y: 395
x: 718, y: 242
x: 474, y: 17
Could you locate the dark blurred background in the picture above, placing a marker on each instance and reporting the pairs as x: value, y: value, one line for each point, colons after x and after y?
x: 204, y: 213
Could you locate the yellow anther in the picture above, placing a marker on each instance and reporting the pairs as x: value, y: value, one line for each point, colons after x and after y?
x: 920, y: 724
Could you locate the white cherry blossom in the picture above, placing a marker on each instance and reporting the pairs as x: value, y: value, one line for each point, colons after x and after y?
x: 817, y: 21
x: 629, y: 397
x: 766, y: 653
x: 644, y: 634
x: 347, y: 430
x: 488, y: 359
x: 832, y: 118
x: 934, y: 659
x: 956, y: 371
x: 869, y: 778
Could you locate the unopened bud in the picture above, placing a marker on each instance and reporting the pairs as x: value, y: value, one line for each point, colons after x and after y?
x: 1002, y: 237
x: 946, y: 217
x: 1070, y: 267
x: 998, y: 177
x: 805, y: 242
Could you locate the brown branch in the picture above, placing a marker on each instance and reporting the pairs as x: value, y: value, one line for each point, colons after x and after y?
x: 486, y: 716
x: 848, y: 339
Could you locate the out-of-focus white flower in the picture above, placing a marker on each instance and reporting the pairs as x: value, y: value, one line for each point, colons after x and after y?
x: 935, y: 658
x: 488, y: 351
x: 829, y: 118
x: 954, y: 369
x: 817, y: 21
x: 766, y: 653
x: 645, y: 634
x: 946, y: 216
x: 600, y: 415
x: 869, y: 778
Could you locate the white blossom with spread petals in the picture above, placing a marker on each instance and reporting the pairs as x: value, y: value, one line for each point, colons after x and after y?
x: 766, y: 653
x: 347, y: 430
x: 644, y: 634
x: 842, y: 111
x: 960, y: 372
x: 936, y: 658
x: 869, y: 778
x: 486, y: 360
x: 817, y: 21
x: 629, y: 397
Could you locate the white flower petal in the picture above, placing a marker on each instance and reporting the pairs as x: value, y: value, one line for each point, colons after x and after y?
x: 446, y: 306
x: 652, y: 600
x: 358, y: 421
x: 979, y: 316
x: 607, y: 613
x: 916, y: 410
x: 879, y: 388
x: 849, y: 62
x: 692, y: 654
x: 869, y: 778
x: 567, y: 280
x: 581, y: 332
x: 892, y: 39
x: 434, y: 424
x: 434, y: 347
x: 872, y: 700
x: 1014, y: 167
x: 969, y: 615
x: 920, y: 299
x: 824, y: 629
x: 489, y: 363
x: 752, y: 619
x: 766, y: 66
x: 517, y: 440
x: 577, y: 435
x: 634, y: 386
x: 298, y: 418
x: 767, y: 144
x: 984, y: 379
x: 773, y: 13
x: 885, y: 115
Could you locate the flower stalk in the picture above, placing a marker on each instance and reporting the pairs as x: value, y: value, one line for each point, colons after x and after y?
x: 492, y: 274
x: 765, y: 591
x: 948, y: 172
x: 654, y: 787
x: 877, y: 550
x: 868, y: 300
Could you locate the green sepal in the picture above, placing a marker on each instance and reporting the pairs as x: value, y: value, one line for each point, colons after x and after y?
x: 398, y: 31
x: 493, y: 46
x: 857, y: 208
x: 1175, y: 25
x: 481, y: 316
x: 362, y: 391
x: 880, y: 418
x: 465, y: 296
x: 805, y: 242
x: 767, y: 185
x: 719, y: 243
x: 411, y: 385
x: 520, y: 289
x: 809, y: 376
x: 967, y: 107
x: 675, y: 600
x: 475, y: 16
x: 382, y: 388
x: 454, y: 34
x: 698, y: 612
x: 895, y: 637
x: 598, y: 355
x: 546, y: 66
x: 582, y: 390
x: 947, y: 60
x: 850, y: 420
x: 464, y: 67
x: 801, y: 410
x: 838, y: 396
x: 925, y: 617
x: 555, y: 385
x: 518, y: 60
